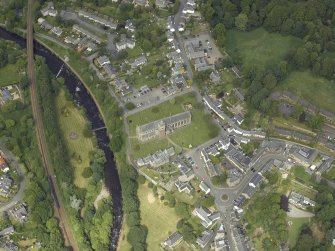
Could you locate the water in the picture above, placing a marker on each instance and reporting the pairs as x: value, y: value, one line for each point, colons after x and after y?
x: 81, y: 96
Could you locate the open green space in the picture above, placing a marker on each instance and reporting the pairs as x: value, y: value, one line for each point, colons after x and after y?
x: 72, y: 124
x: 330, y: 174
x: 259, y: 47
x: 294, y: 229
x: 317, y: 90
x: 199, y: 131
x: 9, y: 74
x: 302, y: 176
x: 303, y: 189
x: 161, y: 220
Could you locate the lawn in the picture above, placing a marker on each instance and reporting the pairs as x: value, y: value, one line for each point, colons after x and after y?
x: 302, y: 176
x: 317, y: 90
x: 72, y: 127
x: 161, y: 220
x: 294, y: 229
x: 199, y: 131
x: 259, y: 47
x: 9, y: 75
x: 330, y: 173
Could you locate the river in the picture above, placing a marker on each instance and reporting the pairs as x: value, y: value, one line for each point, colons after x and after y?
x: 84, y: 99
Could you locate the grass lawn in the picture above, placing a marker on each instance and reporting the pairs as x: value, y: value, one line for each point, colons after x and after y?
x: 9, y: 75
x: 75, y: 124
x: 161, y: 220
x: 317, y: 90
x: 142, y: 149
x: 294, y: 229
x: 330, y: 173
x: 259, y: 47
x: 302, y: 176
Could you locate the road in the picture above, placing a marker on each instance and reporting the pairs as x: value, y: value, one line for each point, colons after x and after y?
x: 18, y: 196
x: 59, y: 211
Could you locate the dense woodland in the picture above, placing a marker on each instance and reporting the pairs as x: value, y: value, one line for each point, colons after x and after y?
x: 312, y: 21
x: 91, y: 226
x: 17, y: 133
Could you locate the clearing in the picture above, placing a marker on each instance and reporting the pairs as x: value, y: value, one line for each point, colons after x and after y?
x: 294, y: 228
x: 161, y: 220
x: 317, y: 90
x: 330, y: 173
x: 9, y: 74
x: 72, y: 123
x: 259, y: 47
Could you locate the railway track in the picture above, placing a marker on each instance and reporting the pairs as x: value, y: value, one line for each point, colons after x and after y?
x: 59, y: 209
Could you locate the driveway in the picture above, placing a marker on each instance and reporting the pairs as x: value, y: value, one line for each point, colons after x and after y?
x: 298, y: 213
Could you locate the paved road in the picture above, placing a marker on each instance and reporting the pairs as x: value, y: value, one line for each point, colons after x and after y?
x: 18, y: 196
x: 59, y: 211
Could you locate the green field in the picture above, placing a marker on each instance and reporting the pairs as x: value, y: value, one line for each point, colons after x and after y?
x: 9, y: 75
x: 330, y: 174
x: 294, y: 229
x: 75, y: 123
x: 317, y: 90
x: 302, y: 176
x: 143, y: 149
x: 199, y: 131
x: 259, y: 47
x: 161, y: 220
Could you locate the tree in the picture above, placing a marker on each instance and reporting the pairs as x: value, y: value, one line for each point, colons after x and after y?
x: 219, y: 180
x: 130, y: 106
x: 87, y: 172
x: 241, y: 21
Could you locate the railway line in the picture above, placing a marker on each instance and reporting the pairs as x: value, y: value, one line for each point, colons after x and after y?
x: 59, y: 209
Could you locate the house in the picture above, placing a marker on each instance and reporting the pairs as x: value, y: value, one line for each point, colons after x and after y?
x: 82, y: 43
x: 205, y: 238
x: 238, y: 118
x: 173, y: 240
x: 183, y: 168
x: 215, y: 77
x: 109, y: 23
x: 9, y: 246
x: 57, y: 31
x: 201, y: 64
x: 7, y: 231
x: 161, y: 4
x: 71, y: 40
x: 188, y: 9
x: 204, y: 187
x: 126, y: 90
x: 301, y: 201
x: 125, y: 43
x: 255, y: 180
x: 184, y: 186
x: 129, y: 25
x: 170, y: 24
x: 19, y: 212
x: 206, y: 216
x: 182, y: 23
x: 91, y: 46
x: 103, y: 60
x: 3, y: 164
x: 44, y: 24
x: 157, y: 159
x: 139, y: 61
x: 238, y: 94
x: 5, y: 185
x: 110, y: 71
x: 194, y: 49
x: 303, y: 155
x: 120, y: 83
x: 81, y: 30
x: 140, y: 3
x: 49, y: 10
x: 237, y: 72
x: 160, y: 128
